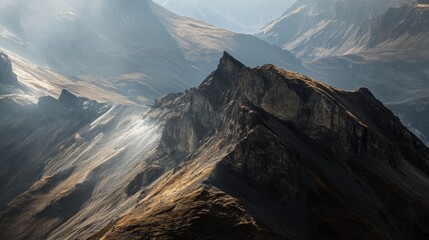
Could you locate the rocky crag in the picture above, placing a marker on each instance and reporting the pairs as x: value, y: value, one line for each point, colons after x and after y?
x: 265, y: 153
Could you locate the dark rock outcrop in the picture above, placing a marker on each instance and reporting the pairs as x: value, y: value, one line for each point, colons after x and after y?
x: 7, y: 77
x: 68, y: 99
x: 269, y: 154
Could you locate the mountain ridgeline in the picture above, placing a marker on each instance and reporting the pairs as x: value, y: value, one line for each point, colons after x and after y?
x: 252, y: 153
x: 119, y: 46
x: 265, y: 153
x: 379, y: 44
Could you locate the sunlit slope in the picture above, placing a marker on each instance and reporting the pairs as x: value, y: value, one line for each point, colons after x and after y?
x: 70, y: 165
x: 136, y: 49
x: 312, y: 29
x: 36, y: 81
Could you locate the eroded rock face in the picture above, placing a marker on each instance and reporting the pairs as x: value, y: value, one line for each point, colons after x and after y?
x: 299, y: 159
x: 258, y: 153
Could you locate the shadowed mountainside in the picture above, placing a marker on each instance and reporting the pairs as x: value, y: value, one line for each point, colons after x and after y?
x: 251, y: 153
x: 271, y: 154
x: 378, y: 44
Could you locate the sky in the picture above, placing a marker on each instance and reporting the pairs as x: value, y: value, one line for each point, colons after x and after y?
x: 242, y: 16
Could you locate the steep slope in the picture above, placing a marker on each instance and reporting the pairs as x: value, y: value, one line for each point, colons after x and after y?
x: 63, y: 160
x: 375, y: 45
x: 35, y: 82
x: 66, y: 163
x: 381, y: 45
x: 271, y: 154
x: 415, y: 115
x: 394, y: 65
x: 31, y: 132
x: 120, y: 46
x: 257, y: 153
x: 401, y: 32
x: 312, y: 29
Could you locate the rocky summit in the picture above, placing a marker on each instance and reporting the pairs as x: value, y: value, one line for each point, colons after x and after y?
x: 252, y: 153
x: 265, y: 153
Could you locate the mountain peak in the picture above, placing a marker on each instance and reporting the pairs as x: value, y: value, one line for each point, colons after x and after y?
x: 269, y: 129
x: 67, y: 98
x: 228, y: 59
x: 229, y: 64
x: 225, y: 75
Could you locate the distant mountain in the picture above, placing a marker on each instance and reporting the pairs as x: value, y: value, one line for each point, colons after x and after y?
x: 238, y: 16
x: 392, y: 80
x: 381, y: 45
x: 251, y: 153
x: 312, y: 29
x: 136, y: 48
x: 414, y: 114
x: 395, y: 64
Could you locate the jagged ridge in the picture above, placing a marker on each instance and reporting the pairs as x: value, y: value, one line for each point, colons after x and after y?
x: 299, y: 159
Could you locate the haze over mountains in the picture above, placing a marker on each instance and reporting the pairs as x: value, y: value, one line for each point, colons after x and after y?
x: 313, y: 29
x: 225, y: 160
x: 119, y: 46
x: 378, y: 44
x: 248, y: 153
x: 238, y: 15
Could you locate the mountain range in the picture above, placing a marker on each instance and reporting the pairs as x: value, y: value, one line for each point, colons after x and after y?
x: 377, y: 44
x: 115, y: 126
x: 251, y: 153
x: 119, y: 47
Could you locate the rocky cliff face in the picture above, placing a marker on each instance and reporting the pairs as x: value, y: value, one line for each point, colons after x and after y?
x: 350, y: 44
x: 269, y: 154
x: 257, y: 153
